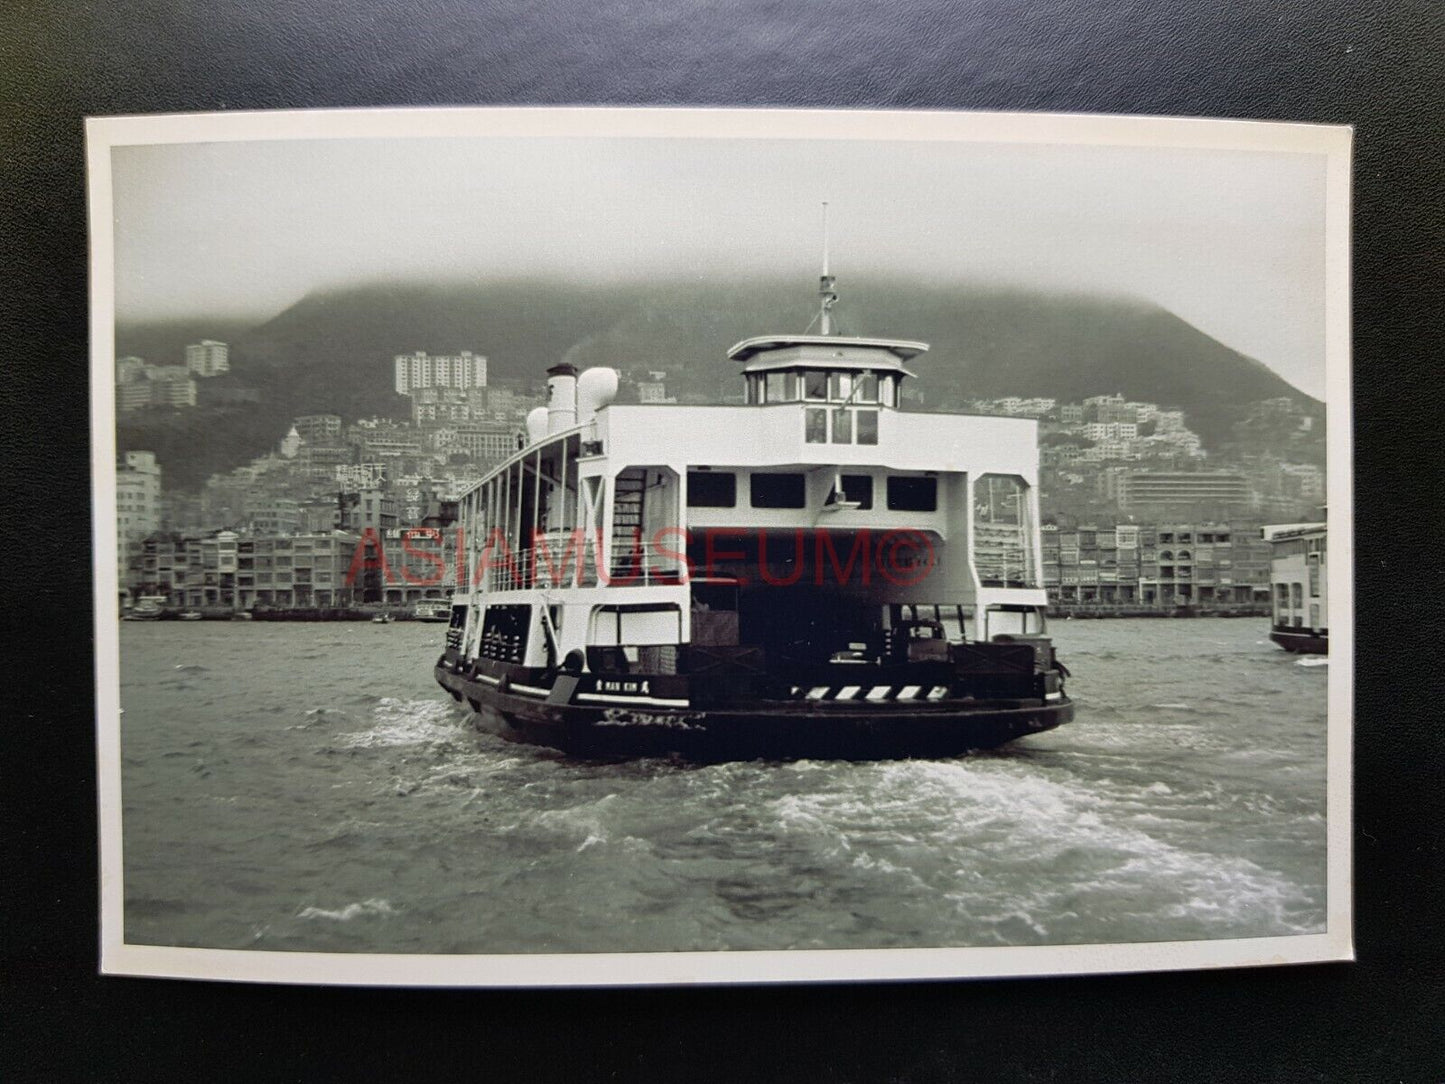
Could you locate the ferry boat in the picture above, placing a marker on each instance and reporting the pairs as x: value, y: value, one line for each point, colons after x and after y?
x: 812, y: 573
x: 1299, y: 594
x: 147, y: 608
x: 437, y: 610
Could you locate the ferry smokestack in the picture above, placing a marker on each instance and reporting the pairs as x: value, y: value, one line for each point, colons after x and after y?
x: 561, y: 397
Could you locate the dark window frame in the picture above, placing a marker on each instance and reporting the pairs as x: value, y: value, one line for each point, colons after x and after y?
x: 694, y: 492
x: 784, y: 483
x: 899, y: 486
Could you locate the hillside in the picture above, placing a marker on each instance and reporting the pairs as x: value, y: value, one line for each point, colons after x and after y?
x: 333, y: 350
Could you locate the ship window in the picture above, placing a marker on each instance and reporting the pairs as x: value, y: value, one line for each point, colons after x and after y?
x: 778, y: 490
x: 858, y: 487
x: 865, y: 389
x: 867, y: 421
x: 782, y: 387
x: 888, y: 391
x: 910, y: 494
x: 840, y: 386
x: 815, y: 385
x: 710, y: 489
x: 1296, y: 596
x: 815, y: 425
x: 842, y: 426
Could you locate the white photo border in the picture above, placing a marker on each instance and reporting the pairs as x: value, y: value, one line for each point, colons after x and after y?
x: 1332, y: 142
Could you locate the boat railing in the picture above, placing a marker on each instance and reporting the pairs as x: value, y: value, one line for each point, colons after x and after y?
x: 543, y: 566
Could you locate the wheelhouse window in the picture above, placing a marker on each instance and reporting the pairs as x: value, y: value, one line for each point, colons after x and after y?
x: 781, y: 388
x: 865, y: 388
x: 778, y: 490
x: 912, y: 494
x: 815, y: 425
x: 842, y: 426
x: 840, y: 386
x: 711, y: 489
x: 815, y: 385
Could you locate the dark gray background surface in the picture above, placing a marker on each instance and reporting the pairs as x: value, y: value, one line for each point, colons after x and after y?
x: 1376, y: 65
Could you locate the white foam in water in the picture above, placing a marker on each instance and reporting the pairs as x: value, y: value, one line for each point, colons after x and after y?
x: 405, y: 722
x: 373, y: 906
x: 969, y: 814
x: 1313, y: 660
x: 585, y: 818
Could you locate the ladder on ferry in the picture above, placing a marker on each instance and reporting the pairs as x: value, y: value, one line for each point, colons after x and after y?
x: 629, y: 490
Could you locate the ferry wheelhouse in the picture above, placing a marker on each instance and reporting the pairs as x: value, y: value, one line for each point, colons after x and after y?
x: 813, y: 573
x: 1299, y: 595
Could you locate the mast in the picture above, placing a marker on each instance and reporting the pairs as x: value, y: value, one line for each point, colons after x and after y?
x: 826, y: 297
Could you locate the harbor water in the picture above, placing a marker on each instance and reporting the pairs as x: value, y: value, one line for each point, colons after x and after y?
x: 293, y: 786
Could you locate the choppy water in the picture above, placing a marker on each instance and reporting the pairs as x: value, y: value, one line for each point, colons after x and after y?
x: 307, y: 786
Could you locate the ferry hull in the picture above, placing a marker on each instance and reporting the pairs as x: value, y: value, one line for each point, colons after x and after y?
x: 775, y: 730
x: 1300, y: 642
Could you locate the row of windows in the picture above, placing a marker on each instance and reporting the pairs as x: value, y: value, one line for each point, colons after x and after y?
x: 719, y: 489
x: 822, y: 386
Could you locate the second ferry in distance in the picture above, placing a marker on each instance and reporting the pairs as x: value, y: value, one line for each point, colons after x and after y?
x: 815, y: 573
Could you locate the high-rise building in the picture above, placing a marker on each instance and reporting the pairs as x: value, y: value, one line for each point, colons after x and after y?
x: 1144, y: 489
x: 208, y: 358
x: 128, y: 369
x: 156, y: 385
x: 423, y: 370
x: 137, y: 500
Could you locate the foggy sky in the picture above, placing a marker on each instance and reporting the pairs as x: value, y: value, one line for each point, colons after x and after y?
x: 1233, y: 242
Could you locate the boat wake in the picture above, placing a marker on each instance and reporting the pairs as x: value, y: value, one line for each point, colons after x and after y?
x: 366, y: 908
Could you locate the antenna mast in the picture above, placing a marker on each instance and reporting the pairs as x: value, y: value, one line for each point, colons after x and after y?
x: 827, y: 298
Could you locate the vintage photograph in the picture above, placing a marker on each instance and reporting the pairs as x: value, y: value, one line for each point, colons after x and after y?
x: 595, y: 546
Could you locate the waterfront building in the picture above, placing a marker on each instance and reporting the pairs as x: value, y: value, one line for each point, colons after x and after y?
x: 137, y: 500
x: 423, y: 370
x: 208, y: 358
x: 1156, y: 565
